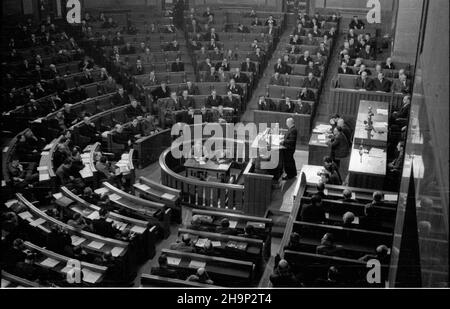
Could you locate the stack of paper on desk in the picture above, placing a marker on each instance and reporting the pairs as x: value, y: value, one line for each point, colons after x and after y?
x: 116, y: 251
x: 142, y: 186
x: 37, y: 222
x: 173, y: 261
x: 49, y: 262
x: 100, y: 191
x: 197, y: 264
x: 96, y: 244
x: 76, y: 240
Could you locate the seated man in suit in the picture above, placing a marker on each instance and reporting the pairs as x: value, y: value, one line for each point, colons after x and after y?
x: 232, y: 102
x: 306, y: 95
x: 397, y: 164
x: 213, y: 100
x: 161, y: 92
x: 388, y: 65
x: 177, y: 66
x: 200, y: 276
x: 242, y: 29
x: 120, y: 97
x: 122, y: 136
x: 211, y: 76
x: 256, y: 22
x: 265, y: 104
x: 314, y: 211
x: 367, y: 53
x: 328, y: 247
x: 311, y: 82
x: 400, y: 118
x: 344, y: 69
x: 286, y: 106
x: 381, y: 83
x: 185, y: 245
x: 88, y: 130
x: 283, y: 276
x: 314, y: 69
x: 347, y: 196
x: 191, y: 88
x: 240, y: 77
x: 187, y: 105
x: 235, y: 89
x: 104, y: 228
x: 345, y: 129
x: 295, y: 40
x: 248, y: 66
x: 363, y: 82
x: 356, y: 23
x: 305, y: 59
x: 402, y: 85
x: 370, y: 220
x: 302, y: 108
x: 224, y: 228
x: 139, y: 68
x: 163, y: 270
x: 167, y: 110
x: 134, y: 110
x: 280, y: 67
x: 277, y: 80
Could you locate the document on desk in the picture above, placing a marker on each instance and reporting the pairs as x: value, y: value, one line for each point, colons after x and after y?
x: 49, y: 262
x: 233, y: 224
x: 24, y: 215
x: 94, y: 215
x: 356, y: 220
x: 173, y: 261
x: 257, y: 225
x: 96, y: 244
x: 76, y: 240
x: 391, y: 197
x: 114, y: 197
x: 42, y: 168
x: 216, y: 244
x: 101, y: 191
x: 201, y: 242
x: 90, y: 276
x: 37, y: 222
x: 8, y: 204
x: 116, y: 251
x: 168, y: 196
x: 57, y: 196
x: 43, y: 177
x: 377, y: 153
x: 197, y: 264
x: 384, y: 112
x: 142, y: 186
x: 86, y: 172
x: 321, y: 128
x: 138, y: 229
x: 322, y: 137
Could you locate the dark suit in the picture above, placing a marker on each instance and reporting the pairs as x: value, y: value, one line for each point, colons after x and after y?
x: 177, y: 67
x: 119, y: 100
x: 313, y: 83
x: 347, y: 71
x: 248, y: 67
x: 303, y: 60
x: 404, y: 87
x: 213, y: 102
x: 280, y: 68
x: 303, y: 108
x: 104, y: 228
x: 383, y: 85
x: 366, y: 84
x: 242, y: 78
x: 236, y: 90
x: 290, y: 142
x: 339, y: 146
x: 266, y: 105
x: 312, y: 213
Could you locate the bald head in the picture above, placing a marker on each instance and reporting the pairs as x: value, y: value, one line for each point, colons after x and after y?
x: 290, y: 122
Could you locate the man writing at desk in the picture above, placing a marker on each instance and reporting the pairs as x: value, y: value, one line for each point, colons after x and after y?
x: 289, y: 143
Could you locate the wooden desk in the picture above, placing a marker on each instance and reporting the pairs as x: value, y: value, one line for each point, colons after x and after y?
x: 318, y: 147
x: 208, y: 167
x: 369, y: 170
x: 378, y: 136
